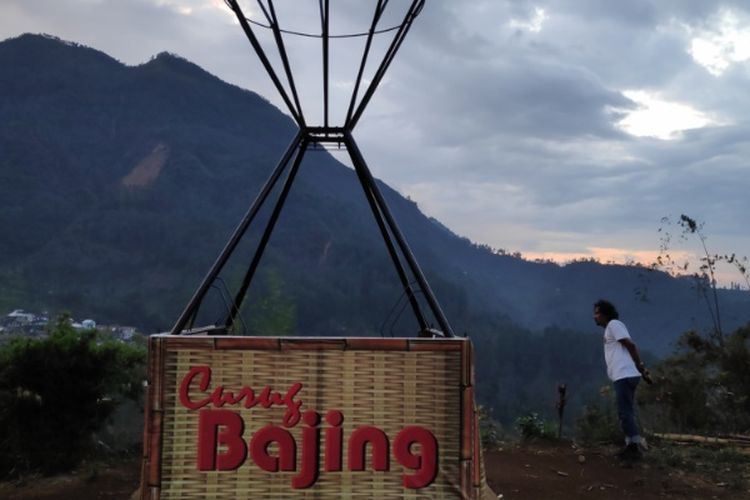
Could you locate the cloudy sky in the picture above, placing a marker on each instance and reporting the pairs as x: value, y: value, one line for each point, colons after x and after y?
x: 557, y: 128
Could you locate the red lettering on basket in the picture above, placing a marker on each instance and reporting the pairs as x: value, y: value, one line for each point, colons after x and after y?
x: 246, y: 396
x: 222, y: 446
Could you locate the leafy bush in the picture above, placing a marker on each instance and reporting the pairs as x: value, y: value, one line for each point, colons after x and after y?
x: 531, y: 426
x: 598, y: 425
x: 598, y: 422
x: 490, y: 430
x: 704, y: 386
x: 57, y: 391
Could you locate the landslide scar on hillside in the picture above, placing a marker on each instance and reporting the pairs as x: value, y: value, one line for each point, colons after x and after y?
x: 147, y: 170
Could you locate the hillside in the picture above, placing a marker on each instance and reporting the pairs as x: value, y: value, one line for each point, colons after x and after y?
x: 120, y: 185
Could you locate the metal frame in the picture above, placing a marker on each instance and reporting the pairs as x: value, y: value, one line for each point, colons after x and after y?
x: 308, y: 136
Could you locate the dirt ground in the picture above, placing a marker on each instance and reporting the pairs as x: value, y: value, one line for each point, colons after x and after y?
x: 514, y: 471
x: 556, y: 471
x: 116, y: 481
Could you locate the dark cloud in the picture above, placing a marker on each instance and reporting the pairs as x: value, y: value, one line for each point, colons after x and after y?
x: 468, y: 102
x: 500, y: 117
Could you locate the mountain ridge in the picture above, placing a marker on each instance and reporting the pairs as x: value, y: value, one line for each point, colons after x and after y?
x: 84, y: 240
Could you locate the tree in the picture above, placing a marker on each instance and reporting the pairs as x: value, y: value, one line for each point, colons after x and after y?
x: 57, y: 391
x: 704, y: 385
x: 274, y: 312
x: 705, y: 275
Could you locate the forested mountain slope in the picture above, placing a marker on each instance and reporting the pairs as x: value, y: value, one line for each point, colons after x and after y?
x: 119, y: 186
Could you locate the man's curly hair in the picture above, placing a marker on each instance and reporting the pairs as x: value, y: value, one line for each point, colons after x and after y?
x: 607, y: 308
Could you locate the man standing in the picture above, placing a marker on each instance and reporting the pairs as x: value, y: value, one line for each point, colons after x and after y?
x: 624, y: 368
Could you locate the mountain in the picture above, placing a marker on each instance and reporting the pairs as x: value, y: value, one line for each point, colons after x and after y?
x: 121, y: 184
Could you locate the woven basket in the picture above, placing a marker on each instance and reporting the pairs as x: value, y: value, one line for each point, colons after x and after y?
x: 390, y: 384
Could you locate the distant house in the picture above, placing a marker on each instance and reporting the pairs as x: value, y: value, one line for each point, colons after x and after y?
x: 123, y: 332
x: 20, y: 321
x: 19, y: 317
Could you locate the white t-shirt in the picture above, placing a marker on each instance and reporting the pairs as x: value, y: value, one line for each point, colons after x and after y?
x: 619, y: 362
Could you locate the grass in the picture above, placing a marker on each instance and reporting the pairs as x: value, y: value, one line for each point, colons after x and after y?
x: 724, y: 466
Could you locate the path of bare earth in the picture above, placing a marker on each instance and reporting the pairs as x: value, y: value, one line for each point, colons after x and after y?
x: 516, y: 471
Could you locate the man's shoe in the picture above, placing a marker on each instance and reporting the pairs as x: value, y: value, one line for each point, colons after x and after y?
x: 630, y: 453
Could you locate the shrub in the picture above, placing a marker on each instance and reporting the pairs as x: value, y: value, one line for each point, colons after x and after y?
x: 704, y: 386
x: 598, y: 425
x: 490, y: 431
x: 598, y: 422
x: 531, y: 426
x: 57, y: 391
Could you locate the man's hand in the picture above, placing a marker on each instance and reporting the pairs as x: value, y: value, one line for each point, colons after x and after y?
x: 645, y: 374
x: 628, y: 344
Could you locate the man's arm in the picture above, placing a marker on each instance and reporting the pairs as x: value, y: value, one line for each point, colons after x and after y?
x: 640, y: 365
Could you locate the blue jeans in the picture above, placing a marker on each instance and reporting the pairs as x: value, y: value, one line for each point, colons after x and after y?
x: 625, y: 394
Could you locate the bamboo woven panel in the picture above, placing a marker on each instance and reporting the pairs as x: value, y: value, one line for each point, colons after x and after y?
x: 387, y: 389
